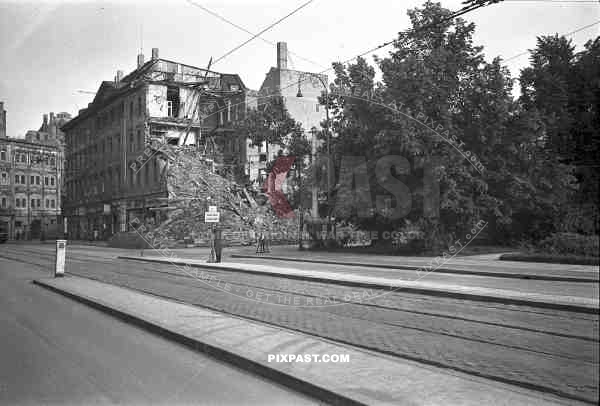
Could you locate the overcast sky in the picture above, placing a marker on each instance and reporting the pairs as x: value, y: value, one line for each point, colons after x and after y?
x: 52, y: 49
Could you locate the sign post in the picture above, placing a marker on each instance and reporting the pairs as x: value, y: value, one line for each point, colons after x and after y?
x: 213, y: 216
x: 61, y: 248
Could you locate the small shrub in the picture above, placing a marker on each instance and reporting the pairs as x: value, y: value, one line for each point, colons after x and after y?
x: 569, y: 244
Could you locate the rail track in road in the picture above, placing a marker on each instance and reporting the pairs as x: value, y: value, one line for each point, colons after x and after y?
x: 547, y: 350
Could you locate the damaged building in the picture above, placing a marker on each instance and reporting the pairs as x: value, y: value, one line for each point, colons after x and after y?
x: 114, y: 174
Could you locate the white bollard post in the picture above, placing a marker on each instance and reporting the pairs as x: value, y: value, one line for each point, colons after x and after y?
x: 61, y: 248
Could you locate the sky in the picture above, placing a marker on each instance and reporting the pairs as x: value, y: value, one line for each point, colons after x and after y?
x: 51, y: 50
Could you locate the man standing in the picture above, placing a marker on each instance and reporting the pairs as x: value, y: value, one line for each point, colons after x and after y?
x: 218, y: 244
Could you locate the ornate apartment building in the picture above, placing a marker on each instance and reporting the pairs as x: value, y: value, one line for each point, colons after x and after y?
x: 30, y: 183
x: 112, y: 176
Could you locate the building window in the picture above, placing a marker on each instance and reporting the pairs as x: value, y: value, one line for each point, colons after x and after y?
x: 23, y: 179
x: 52, y: 181
x: 17, y: 178
x: 4, y: 202
x: 38, y: 203
x: 173, y: 102
x: 228, y: 110
x: 52, y: 203
x: 3, y: 155
x: 46, y: 180
x: 18, y: 202
x: 23, y: 158
x: 32, y: 203
x: 131, y: 145
x: 4, y: 178
x: 52, y: 161
x: 37, y: 180
x: 31, y: 180
x: 47, y: 203
x: 23, y: 202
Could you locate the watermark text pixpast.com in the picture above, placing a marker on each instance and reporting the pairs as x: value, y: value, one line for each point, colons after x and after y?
x: 315, y: 358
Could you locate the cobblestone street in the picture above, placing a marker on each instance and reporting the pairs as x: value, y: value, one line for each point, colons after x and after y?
x: 548, y: 350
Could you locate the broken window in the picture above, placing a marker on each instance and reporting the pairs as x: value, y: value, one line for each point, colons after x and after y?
x: 173, y: 102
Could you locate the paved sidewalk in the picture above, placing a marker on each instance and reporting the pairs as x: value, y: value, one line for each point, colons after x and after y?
x: 580, y: 303
x: 484, y: 264
x: 368, y: 378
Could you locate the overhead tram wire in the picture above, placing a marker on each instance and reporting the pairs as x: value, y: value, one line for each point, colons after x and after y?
x: 262, y: 31
x: 556, y: 1
x: 562, y: 35
x: 239, y: 27
x: 458, y: 13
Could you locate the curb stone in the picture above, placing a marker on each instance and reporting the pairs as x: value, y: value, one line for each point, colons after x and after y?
x: 566, y: 306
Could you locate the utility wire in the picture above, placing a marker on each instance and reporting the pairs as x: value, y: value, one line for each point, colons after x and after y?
x: 562, y: 35
x: 453, y: 15
x: 263, y: 31
x: 555, y: 1
x: 239, y: 27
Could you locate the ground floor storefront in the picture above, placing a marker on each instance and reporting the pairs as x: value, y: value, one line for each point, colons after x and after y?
x: 102, y: 220
x: 31, y: 227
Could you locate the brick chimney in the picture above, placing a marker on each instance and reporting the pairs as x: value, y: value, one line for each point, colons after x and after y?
x: 154, y: 54
x: 2, y: 121
x: 119, y: 77
x: 52, y: 126
x: 281, y: 55
x: 140, y: 60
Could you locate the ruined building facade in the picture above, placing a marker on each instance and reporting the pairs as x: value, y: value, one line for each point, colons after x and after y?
x: 113, y: 177
x: 31, y: 174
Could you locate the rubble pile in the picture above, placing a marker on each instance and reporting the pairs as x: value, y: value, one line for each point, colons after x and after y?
x: 193, y: 185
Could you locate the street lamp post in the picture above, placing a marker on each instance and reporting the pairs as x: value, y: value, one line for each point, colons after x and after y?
x: 327, y: 135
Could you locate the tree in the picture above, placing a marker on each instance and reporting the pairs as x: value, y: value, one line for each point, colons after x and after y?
x: 269, y: 123
x: 432, y: 78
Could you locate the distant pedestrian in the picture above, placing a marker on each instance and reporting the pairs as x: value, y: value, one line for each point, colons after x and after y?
x: 260, y: 243
x: 218, y: 245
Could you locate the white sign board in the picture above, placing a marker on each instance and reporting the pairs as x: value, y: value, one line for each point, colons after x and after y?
x: 61, y: 248
x: 211, y: 217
